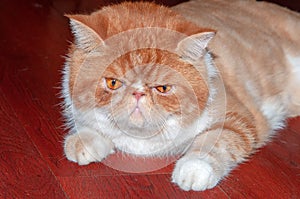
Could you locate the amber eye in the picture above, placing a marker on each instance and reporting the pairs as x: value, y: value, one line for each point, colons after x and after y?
x: 113, y: 84
x: 163, y: 88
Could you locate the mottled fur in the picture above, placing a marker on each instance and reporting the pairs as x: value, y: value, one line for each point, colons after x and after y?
x: 256, y: 63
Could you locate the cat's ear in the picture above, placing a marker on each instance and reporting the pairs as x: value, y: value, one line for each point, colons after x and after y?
x: 193, y: 47
x: 85, y: 37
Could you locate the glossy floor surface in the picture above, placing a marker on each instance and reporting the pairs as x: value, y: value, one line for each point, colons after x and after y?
x: 34, y: 37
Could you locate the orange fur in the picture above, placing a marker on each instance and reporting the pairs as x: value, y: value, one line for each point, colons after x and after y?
x: 257, y: 53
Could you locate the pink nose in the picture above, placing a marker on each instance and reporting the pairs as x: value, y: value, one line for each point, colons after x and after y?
x: 138, y: 95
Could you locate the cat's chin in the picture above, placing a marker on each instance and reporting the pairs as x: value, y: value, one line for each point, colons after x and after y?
x: 142, y: 132
x: 137, y: 119
x: 139, y: 124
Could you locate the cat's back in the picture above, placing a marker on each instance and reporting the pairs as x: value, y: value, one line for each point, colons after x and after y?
x: 251, y: 36
x: 257, y: 47
x: 246, y: 29
x: 245, y: 21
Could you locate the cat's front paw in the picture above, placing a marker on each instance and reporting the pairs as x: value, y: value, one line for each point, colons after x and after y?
x: 87, y: 146
x: 194, y: 174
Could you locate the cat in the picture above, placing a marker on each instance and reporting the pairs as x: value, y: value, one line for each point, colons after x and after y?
x: 209, y: 80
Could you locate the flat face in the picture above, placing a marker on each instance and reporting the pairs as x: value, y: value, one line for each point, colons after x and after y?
x: 142, y: 89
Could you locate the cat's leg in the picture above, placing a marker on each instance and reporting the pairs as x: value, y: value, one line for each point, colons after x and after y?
x: 214, y: 154
x: 86, y: 146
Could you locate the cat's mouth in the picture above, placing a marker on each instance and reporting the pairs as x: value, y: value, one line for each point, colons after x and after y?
x: 139, y: 123
x: 137, y: 118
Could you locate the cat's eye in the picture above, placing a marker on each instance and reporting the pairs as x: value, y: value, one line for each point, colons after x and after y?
x: 163, y: 88
x: 113, y: 84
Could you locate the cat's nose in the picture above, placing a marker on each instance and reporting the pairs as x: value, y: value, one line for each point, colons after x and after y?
x: 138, y: 95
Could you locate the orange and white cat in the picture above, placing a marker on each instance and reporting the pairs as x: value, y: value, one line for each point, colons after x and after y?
x: 211, y: 80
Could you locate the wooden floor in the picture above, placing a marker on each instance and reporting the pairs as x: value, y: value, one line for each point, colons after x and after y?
x: 34, y: 37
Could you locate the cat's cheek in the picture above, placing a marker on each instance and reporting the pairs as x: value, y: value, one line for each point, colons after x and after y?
x: 192, y: 173
x: 103, y: 96
x: 170, y: 103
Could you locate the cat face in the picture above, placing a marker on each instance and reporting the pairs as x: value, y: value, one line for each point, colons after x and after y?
x: 144, y: 89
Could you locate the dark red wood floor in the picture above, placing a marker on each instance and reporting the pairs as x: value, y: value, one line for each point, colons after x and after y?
x: 34, y: 36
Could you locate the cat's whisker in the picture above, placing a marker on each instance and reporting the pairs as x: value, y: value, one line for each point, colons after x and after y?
x: 158, y: 87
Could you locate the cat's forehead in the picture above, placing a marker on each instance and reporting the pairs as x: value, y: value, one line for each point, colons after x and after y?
x: 138, y: 84
x: 141, y: 75
x: 145, y: 65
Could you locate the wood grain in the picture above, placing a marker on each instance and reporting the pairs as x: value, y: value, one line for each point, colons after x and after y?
x: 23, y: 172
x: 131, y: 186
x: 34, y: 36
x: 270, y: 173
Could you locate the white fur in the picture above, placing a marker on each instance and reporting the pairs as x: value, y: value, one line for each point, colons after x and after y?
x: 159, y: 144
x: 138, y: 86
x: 275, y: 108
x: 67, y: 104
x: 295, y: 75
x: 212, y: 75
x: 87, y: 146
x: 164, y: 143
x: 275, y: 111
x: 193, y: 173
x: 295, y: 69
x: 295, y: 62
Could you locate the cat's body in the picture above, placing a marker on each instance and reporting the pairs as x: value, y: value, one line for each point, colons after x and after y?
x: 150, y: 91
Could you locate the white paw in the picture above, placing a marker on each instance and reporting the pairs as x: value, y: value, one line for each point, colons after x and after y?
x: 194, y: 174
x: 87, y: 146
